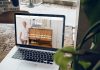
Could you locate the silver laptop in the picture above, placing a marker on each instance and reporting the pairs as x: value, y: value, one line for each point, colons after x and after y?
x: 38, y: 36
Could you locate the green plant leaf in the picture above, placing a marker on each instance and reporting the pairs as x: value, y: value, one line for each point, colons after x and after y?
x: 58, y: 57
x: 69, y: 49
x: 64, y: 63
x: 61, y: 59
x: 85, y: 64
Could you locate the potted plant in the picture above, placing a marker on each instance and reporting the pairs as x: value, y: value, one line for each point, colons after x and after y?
x: 78, y: 58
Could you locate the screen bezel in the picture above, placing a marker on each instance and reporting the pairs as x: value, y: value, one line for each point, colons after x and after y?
x: 37, y: 47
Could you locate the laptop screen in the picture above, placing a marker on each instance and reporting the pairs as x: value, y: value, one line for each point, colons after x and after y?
x: 39, y: 30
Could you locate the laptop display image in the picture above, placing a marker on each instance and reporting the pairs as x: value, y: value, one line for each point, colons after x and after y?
x: 38, y: 30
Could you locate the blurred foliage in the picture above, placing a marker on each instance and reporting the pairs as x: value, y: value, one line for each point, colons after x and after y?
x: 92, y: 10
x: 65, y: 56
x: 85, y: 64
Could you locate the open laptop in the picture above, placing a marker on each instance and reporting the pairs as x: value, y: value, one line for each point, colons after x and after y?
x: 14, y: 62
x: 38, y: 36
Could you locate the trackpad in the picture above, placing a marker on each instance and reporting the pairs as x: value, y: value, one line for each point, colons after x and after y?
x: 27, y: 66
x: 34, y: 66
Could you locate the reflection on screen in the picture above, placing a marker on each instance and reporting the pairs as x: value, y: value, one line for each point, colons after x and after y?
x: 41, y: 31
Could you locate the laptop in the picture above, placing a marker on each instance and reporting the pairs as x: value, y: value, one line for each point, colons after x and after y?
x: 37, y: 37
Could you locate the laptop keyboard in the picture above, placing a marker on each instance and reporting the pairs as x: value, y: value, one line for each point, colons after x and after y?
x: 33, y: 55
